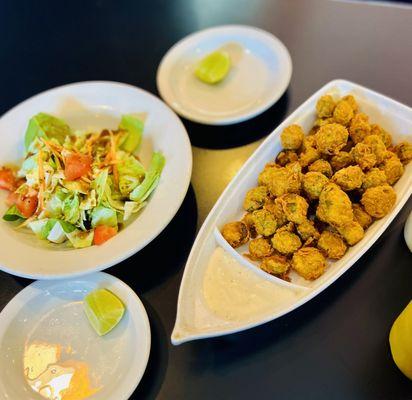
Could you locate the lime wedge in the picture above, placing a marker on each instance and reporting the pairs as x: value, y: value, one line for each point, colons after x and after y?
x: 214, y: 67
x: 104, y: 310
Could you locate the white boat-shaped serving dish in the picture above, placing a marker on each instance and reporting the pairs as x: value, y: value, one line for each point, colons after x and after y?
x: 222, y: 292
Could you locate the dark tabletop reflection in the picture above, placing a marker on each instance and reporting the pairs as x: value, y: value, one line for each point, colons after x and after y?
x: 226, y: 136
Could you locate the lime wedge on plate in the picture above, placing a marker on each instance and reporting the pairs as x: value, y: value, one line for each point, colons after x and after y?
x: 214, y: 67
x: 104, y: 310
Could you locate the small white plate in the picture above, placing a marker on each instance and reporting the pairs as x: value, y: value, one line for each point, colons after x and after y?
x: 260, y: 73
x: 96, y: 105
x: 52, y: 313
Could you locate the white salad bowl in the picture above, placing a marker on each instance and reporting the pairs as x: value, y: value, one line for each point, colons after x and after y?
x: 222, y: 291
x: 98, y: 105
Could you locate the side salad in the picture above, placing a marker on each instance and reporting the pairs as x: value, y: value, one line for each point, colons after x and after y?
x: 79, y: 186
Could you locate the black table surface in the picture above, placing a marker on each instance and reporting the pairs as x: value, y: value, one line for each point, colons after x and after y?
x: 336, y: 345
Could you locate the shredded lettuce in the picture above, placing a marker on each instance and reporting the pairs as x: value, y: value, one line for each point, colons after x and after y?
x: 134, y: 127
x: 104, y: 216
x: 80, y: 239
x: 99, y: 184
x: 12, y: 214
x: 131, y: 207
x: 131, y: 172
x: 71, y: 209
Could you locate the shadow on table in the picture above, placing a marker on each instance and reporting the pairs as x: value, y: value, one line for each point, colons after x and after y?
x: 166, y: 254
x: 227, y: 136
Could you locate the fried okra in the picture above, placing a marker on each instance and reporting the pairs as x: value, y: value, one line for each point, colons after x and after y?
x: 275, y: 265
x: 341, y: 160
x: 313, y: 184
x: 392, y: 167
x: 374, y: 177
x: 235, y: 233
x: 309, y: 263
x: 378, y: 200
x: 295, y: 207
x: 285, y: 157
x: 334, y: 207
x: 250, y: 224
x: 349, y: 178
x: 255, y: 198
x: 306, y: 230
x: 351, y: 231
x: 359, y: 128
x: 404, y: 152
x: 309, y: 153
x: 292, y: 137
x: 321, y: 166
x: 325, y: 106
x: 352, y: 102
x: 384, y: 135
x: 275, y: 208
x: 266, y: 176
x: 377, y: 146
x: 331, y: 138
x: 364, y: 156
x: 343, y: 113
x: 265, y: 222
x: 361, y: 216
x: 332, y: 245
x: 260, y: 247
x: 286, y: 242
x: 285, y: 180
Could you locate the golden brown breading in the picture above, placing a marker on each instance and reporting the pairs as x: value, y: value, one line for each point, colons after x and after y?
x: 404, y: 152
x: 334, y: 207
x: 285, y: 180
x: 266, y: 175
x: 285, y: 157
x: 331, y: 138
x: 321, y: 166
x: 275, y: 208
x: 255, y: 198
x: 307, y: 230
x: 349, y: 178
x: 265, y: 222
x: 313, y: 184
x: 260, y: 247
x: 286, y: 242
x: 250, y: 224
x: 341, y: 160
x: 361, y: 216
x: 292, y: 137
x: 359, y: 128
x: 295, y: 207
x: 374, y: 177
x: 322, y: 121
x: 332, y: 245
x: 343, y: 113
x: 392, y: 167
x: 275, y: 265
x: 325, y: 106
x: 309, y: 263
x: 364, y: 156
x: 235, y: 233
x: 352, y: 102
x: 351, y: 231
x: 378, y: 147
x: 309, y: 153
x: 384, y: 135
x: 379, y: 200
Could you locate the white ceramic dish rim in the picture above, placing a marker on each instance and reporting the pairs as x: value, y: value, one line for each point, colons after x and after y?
x: 132, y: 250
x: 208, y: 228
x: 165, y: 65
x: 21, y: 299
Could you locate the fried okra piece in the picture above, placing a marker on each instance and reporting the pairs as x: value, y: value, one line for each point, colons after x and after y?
x: 292, y: 137
x: 235, y: 233
x: 334, y: 207
x: 404, y: 152
x: 352, y: 102
x: 378, y: 200
x: 295, y: 207
x: 325, y: 106
x: 260, y: 248
x: 392, y: 167
x: 349, y: 178
x: 331, y: 138
x: 285, y: 180
x: 361, y: 216
x: 374, y: 177
x: 313, y: 184
x: 265, y: 222
x: 309, y: 153
x: 323, y: 121
x: 351, y: 231
x: 378, y: 147
x: 307, y: 230
x: 286, y: 242
x: 285, y: 157
x: 341, y: 160
x: 384, y: 135
x: 364, y: 156
x: 250, y: 224
x: 255, y: 198
x: 359, y: 128
x: 332, y: 245
x: 321, y: 166
x: 343, y: 113
x: 275, y: 264
x: 275, y: 208
x: 266, y: 175
x: 309, y: 263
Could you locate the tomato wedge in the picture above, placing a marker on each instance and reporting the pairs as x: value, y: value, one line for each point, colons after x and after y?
x: 103, y: 233
x: 76, y: 165
x: 27, y: 205
x: 7, y: 179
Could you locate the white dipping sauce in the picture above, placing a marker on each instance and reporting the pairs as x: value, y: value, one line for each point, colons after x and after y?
x: 236, y: 293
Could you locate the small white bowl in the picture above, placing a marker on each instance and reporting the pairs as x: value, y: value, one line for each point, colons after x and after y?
x: 260, y: 73
x: 52, y: 312
x: 96, y: 105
